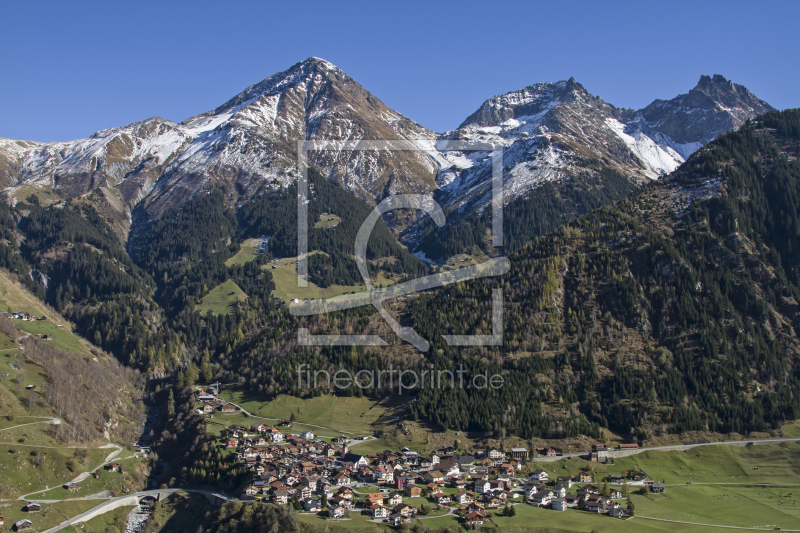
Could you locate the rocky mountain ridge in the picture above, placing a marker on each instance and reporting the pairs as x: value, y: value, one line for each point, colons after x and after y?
x: 249, y: 145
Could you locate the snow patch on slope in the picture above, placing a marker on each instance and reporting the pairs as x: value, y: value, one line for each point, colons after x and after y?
x: 659, y: 159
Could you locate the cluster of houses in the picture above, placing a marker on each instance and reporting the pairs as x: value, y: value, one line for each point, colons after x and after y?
x: 543, y: 492
x: 210, y: 403
x: 22, y: 315
x: 316, y: 474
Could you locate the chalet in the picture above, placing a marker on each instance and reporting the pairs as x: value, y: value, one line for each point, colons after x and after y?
x: 384, y: 474
x: 232, y: 443
x: 541, y: 498
x: 564, y: 481
x: 342, y: 478
x: 433, y: 476
x: 394, y: 498
x: 539, y: 475
x: 413, y: 491
x: 466, y: 463
x: 463, y: 497
x: 596, y: 504
x: 506, y: 469
x: 637, y: 475
x: 375, y: 498
x: 341, y: 439
x: 448, y: 467
x: 495, y: 454
x: 483, y: 486
x: 615, y: 494
x: 346, y: 493
x: 583, y: 477
x: 548, y: 452
x: 492, y: 501
x: 475, y: 507
x: 228, y: 408
x: 400, y: 482
x: 615, y: 478
x: 403, y: 509
x: 379, y: 511
x: 23, y: 524
x: 33, y: 507
x: 570, y: 500
x: 397, y: 519
x: 311, y: 505
x: 339, y: 501
x: 474, y: 519
x: 208, y: 408
x: 72, y: 487
x: 366, y: 474
x: 308, y: 435
x: 519, y: 453
x: 658, y: 488
x: 441, y: 498
x: 628, y: 446
x: 616, y: 511
x: 251, y: 491
x: 280, y: 497
x: 559, y: 504
x: 336, y: 512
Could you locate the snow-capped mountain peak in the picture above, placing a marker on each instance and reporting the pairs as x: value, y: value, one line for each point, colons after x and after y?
x: 248, y: 145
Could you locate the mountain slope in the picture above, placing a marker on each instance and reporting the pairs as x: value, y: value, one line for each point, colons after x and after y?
x: 550, y: 131
x: 675, y: 310
x: 249, y: 145
x: 558, y: 132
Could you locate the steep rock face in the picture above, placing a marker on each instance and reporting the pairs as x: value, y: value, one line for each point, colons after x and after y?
x: 551, y: 132
x: 552, y: 129
x: 688, y: 121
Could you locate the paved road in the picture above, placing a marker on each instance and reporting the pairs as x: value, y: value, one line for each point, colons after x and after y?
x: 712, y: 525
x: 50, y: 420
x: 678, y: 447
x: 113, y: 503
x: 82, y: 475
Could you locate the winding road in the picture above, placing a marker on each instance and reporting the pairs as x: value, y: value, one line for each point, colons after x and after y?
x: 82, y: 475
x: 675, y: 447
x: 129, y: 499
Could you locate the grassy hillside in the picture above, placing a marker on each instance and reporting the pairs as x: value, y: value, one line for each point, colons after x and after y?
x: 15, y: 297
x: 222, y: 298
x: 50, y: 515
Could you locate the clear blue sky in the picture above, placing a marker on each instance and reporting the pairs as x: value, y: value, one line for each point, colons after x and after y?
x: 70, y: 69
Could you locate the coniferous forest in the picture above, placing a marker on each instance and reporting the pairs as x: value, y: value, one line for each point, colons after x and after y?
x: 668, y: 307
